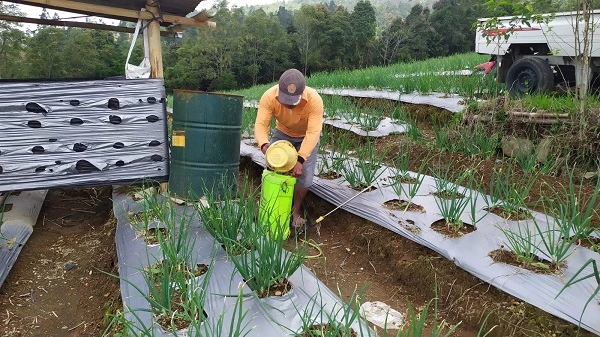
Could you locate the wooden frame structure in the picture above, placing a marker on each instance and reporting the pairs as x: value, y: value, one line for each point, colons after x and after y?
x: 171, y: 14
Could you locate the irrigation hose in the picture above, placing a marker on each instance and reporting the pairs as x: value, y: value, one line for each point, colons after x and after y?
x: 315, y: 246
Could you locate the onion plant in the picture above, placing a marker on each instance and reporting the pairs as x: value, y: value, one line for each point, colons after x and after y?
x: 335, y: 106
x: 522, y: 243
x: 268, y: 264
x: 509, y: 191
x: 577, y: 277
x: 572, y: 207
x: 413, y: 132
x: 236, y: 328
x: 451, y: 209
x: 230, y: 217
x: 369, y: 118
x: 366, y: 169
x: 175, y: 297
x: 248, y: 118
x: 555, y: 240
x: 473, y: 210
x: 320, y: 321
x: 416, y: 327
x: 411, y: 188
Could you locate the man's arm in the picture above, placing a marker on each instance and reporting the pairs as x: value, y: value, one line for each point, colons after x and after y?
x: 263, y: 121
x: 313, y: 131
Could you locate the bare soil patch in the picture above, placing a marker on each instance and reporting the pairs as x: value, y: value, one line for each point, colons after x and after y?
x: 57, y: 286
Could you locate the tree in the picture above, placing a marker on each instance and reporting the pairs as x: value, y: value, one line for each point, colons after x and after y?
x: 308, y: 35
x: 205, y: 60
x: 364, y: 28
x: 452, y: 22
x: 12, y: 42
x: 419, y: 35
x: 284, y: 16
x: 391, y: 41
x: 338, y: 40
x: 44, y: 54
x: 266, y: 48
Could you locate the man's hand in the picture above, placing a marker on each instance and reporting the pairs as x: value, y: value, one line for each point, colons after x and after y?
x: 297, y: 170
x: 265, y: 147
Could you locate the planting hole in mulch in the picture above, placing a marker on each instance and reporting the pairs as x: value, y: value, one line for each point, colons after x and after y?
x: 278, y: 289
x: 157, y: 268
x: 403, y: 205
x: 521, y: 214
x: 443, y: 194
x: 404, y: 179
x: 538, y: 265
x: 364, y: 187
x: 592, y: 243
x: 330, y: 175
x: 452, y: 230
x: 327, y: 330
x: 168, y: 320
x: 410, y: 226
x: 6, y: 208
x: 151, y: 235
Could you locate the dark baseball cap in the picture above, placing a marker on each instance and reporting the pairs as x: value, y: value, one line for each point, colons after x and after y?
x: 291, y: 87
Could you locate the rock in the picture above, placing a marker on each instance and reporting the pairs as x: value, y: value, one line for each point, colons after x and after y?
x: 70, y: 265
x: 382, y: 315
x: 543, y: 150
x: 590, y: 175
x: 516, y: 147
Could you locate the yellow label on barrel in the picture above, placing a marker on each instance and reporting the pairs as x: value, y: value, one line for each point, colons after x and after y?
x: 178, y: 138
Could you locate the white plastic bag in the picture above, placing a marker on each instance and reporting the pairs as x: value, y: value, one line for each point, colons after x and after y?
x: 143, y: 70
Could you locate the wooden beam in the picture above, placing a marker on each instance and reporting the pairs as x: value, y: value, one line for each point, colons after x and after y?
x: 202, y: 16
x: 76, y: 24
x: 156, y: 64
x: 114, y: 12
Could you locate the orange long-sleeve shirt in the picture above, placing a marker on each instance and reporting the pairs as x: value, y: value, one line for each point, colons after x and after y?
x: 305, y: 120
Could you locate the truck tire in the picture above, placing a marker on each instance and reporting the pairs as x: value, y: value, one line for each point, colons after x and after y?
x: 529, y: 75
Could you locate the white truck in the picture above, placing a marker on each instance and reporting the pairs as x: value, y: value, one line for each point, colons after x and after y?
x: 533, y: 57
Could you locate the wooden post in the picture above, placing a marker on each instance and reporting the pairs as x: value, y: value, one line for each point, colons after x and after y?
x: 154, y: 46
x: 154, y: 40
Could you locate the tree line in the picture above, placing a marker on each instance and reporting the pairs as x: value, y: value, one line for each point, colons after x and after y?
x: 255, y: 47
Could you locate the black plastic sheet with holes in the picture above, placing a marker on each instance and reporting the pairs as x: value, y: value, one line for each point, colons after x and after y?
x: 57, y: 134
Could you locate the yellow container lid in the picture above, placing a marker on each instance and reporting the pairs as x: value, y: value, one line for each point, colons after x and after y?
x: 281, y: 156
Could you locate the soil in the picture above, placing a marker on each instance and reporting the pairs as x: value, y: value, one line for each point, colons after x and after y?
x: 452, y: 230
x: 41, y: 298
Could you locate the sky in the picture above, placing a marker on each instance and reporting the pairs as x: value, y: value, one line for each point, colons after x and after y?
x: 34, y: 12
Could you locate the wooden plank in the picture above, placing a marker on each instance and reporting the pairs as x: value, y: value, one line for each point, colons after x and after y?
x: 112, y: 12
x: 76, y: 24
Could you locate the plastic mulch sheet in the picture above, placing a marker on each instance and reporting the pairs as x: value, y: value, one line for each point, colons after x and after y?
x: 470, y: 251
x: 385, y: 127
x: 452, y: 103
x: 57, y: 134
x: 17, y: 222
x: 272, y: 316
